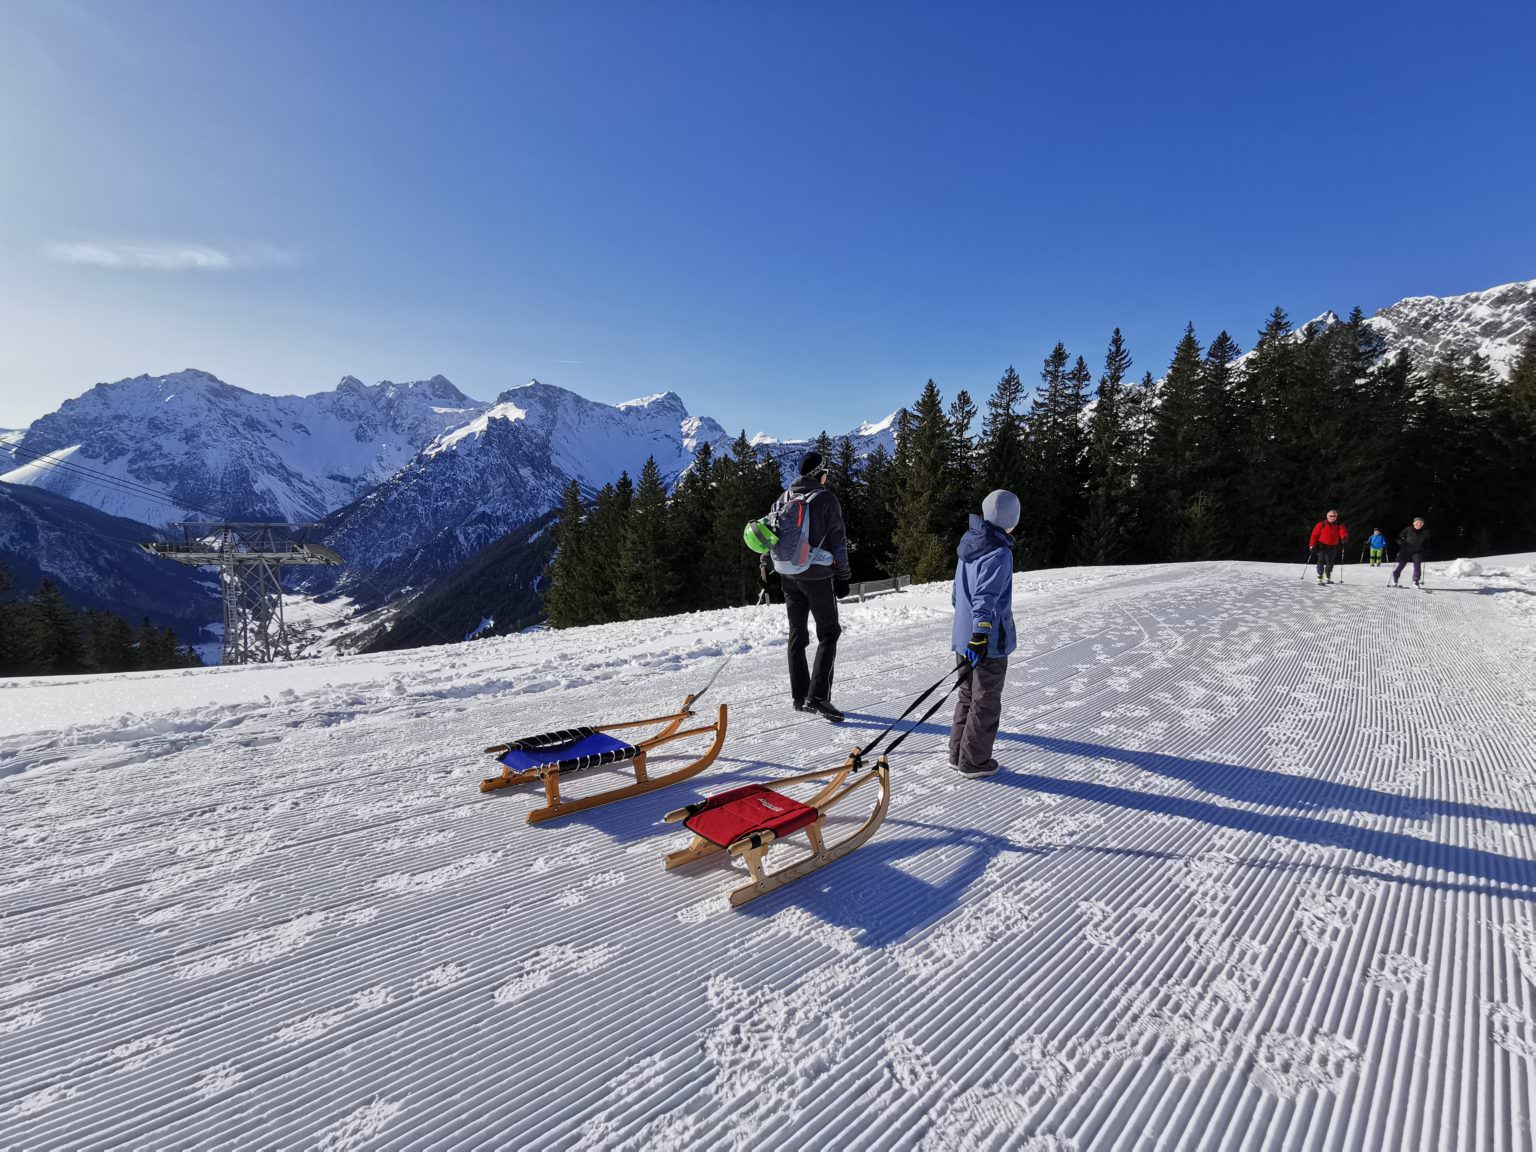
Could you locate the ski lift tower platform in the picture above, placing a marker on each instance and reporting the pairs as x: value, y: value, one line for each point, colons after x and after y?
x: 250, y: 559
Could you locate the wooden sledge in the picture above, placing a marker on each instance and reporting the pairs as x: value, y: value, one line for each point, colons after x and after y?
x: 549, y: 756
x: 747, y: 821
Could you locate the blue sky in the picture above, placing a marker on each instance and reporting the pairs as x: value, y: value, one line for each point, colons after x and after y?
x: 790, y: 213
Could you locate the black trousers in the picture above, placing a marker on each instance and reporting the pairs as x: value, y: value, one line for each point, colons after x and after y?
x: 1327, y: 557
x: 1416, y: 559
x: 804, y: 599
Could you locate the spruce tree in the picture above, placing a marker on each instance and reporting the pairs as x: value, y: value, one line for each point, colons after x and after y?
x: 1001, y: 452
x: 848, y: 483
x: 569, y: 578
x: 926, y: 489
x: 966, y: 494
x: 609, y: 524
x: 61, y: 626
x: 878, y: 529
x: 1109, y: 467
x: 645, y: 585
x: 691, y: 524
x: 1055, y: 478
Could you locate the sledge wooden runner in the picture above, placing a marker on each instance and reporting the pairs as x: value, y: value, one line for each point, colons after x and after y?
x: 549, y: 756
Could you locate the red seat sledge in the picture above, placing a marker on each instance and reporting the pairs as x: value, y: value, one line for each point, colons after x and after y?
x: 726, y: 818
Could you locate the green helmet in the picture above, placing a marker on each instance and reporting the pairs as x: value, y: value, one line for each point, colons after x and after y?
x: 758, y: 536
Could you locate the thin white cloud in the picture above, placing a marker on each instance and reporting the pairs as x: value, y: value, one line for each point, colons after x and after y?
x: 167, y: 257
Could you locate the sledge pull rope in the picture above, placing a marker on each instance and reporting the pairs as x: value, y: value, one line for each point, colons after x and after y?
x: 762, y: 598
x: 959, y: 674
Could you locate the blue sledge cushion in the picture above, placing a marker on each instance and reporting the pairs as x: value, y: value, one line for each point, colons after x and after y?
x: 587, y: 752
x: 728, y: 817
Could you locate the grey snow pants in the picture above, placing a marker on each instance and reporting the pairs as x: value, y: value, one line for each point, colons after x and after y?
x: 977, y: 713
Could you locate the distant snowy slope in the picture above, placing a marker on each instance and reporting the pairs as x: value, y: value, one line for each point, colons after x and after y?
x: 1258, y: 873
x: 96, y: 562
x: 214, y: 449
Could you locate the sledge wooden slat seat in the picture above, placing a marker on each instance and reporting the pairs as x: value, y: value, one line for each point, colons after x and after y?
x: 547, y: 757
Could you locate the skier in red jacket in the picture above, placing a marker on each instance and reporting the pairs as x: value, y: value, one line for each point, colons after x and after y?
x: 1328, y: 545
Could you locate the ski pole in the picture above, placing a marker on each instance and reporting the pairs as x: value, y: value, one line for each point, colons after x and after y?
x: 1311, y: 553
x: 1343, y: 560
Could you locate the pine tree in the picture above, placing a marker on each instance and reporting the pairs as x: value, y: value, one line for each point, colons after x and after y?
x: 747, y: 488
x: 878, y: 532
x: 1056, y: 478
x: 569, y: 578
x: 609, y: 523
x: 848, y: 482
x: 1109, y: 466
x: 645, y: 586
x: 62, y: 630
x: 925, y: 487
x: 963, y: 462
x: 110, y: 642
x: 691, y: 524
x: 1001, y: 451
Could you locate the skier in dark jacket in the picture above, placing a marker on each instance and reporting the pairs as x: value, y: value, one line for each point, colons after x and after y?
x: 983, y: 635
x: 1411, y: 542
x: 1328, y: 539
x: 814, y: 592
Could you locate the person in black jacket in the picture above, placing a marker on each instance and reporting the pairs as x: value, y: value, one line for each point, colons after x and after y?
x: 1410, y: 550
x: 814, y: 592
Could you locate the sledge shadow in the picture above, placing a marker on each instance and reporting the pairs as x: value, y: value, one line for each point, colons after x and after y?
x: 880, y: 902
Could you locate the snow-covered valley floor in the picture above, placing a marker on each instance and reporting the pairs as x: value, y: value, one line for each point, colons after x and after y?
x: 1259, y: 872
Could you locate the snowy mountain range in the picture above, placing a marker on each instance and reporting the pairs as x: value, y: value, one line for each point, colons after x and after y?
x: 413, y: 479
x: 504, y: 468
x: 163, y: 448
x: 1494, y: 323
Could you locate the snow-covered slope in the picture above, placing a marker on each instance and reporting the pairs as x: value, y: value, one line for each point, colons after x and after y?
x: 162, y: 448
x: 1259, y: 873
x: 474, y: 484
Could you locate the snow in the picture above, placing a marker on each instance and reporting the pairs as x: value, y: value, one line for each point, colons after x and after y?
x: 1258, y: 872
x: 1464, y: 569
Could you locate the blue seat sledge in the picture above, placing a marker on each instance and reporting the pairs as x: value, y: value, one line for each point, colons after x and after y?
x: 589, y: 751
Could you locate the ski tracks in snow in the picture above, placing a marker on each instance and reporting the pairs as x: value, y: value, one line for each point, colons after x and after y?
x: 1258, y: 873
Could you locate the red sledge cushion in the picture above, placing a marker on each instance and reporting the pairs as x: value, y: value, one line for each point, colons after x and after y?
x: 728, y: 817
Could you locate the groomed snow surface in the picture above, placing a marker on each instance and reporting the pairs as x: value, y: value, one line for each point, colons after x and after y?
x: 1258, y: 872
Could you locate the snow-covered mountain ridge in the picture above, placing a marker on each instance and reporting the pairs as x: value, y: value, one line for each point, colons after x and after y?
x: 214, y: 449
x: 507, y: 466
x: 1494, y: 323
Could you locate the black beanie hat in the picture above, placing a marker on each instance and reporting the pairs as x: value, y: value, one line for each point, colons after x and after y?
x: 810, y: 463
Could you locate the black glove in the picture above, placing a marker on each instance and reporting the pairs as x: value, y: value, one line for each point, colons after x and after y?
x: 976, y: 650
x: 839, y: 587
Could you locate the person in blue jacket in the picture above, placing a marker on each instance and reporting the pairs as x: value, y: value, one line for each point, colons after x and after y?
x: 983, y: 634
x: 1378, y: 544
